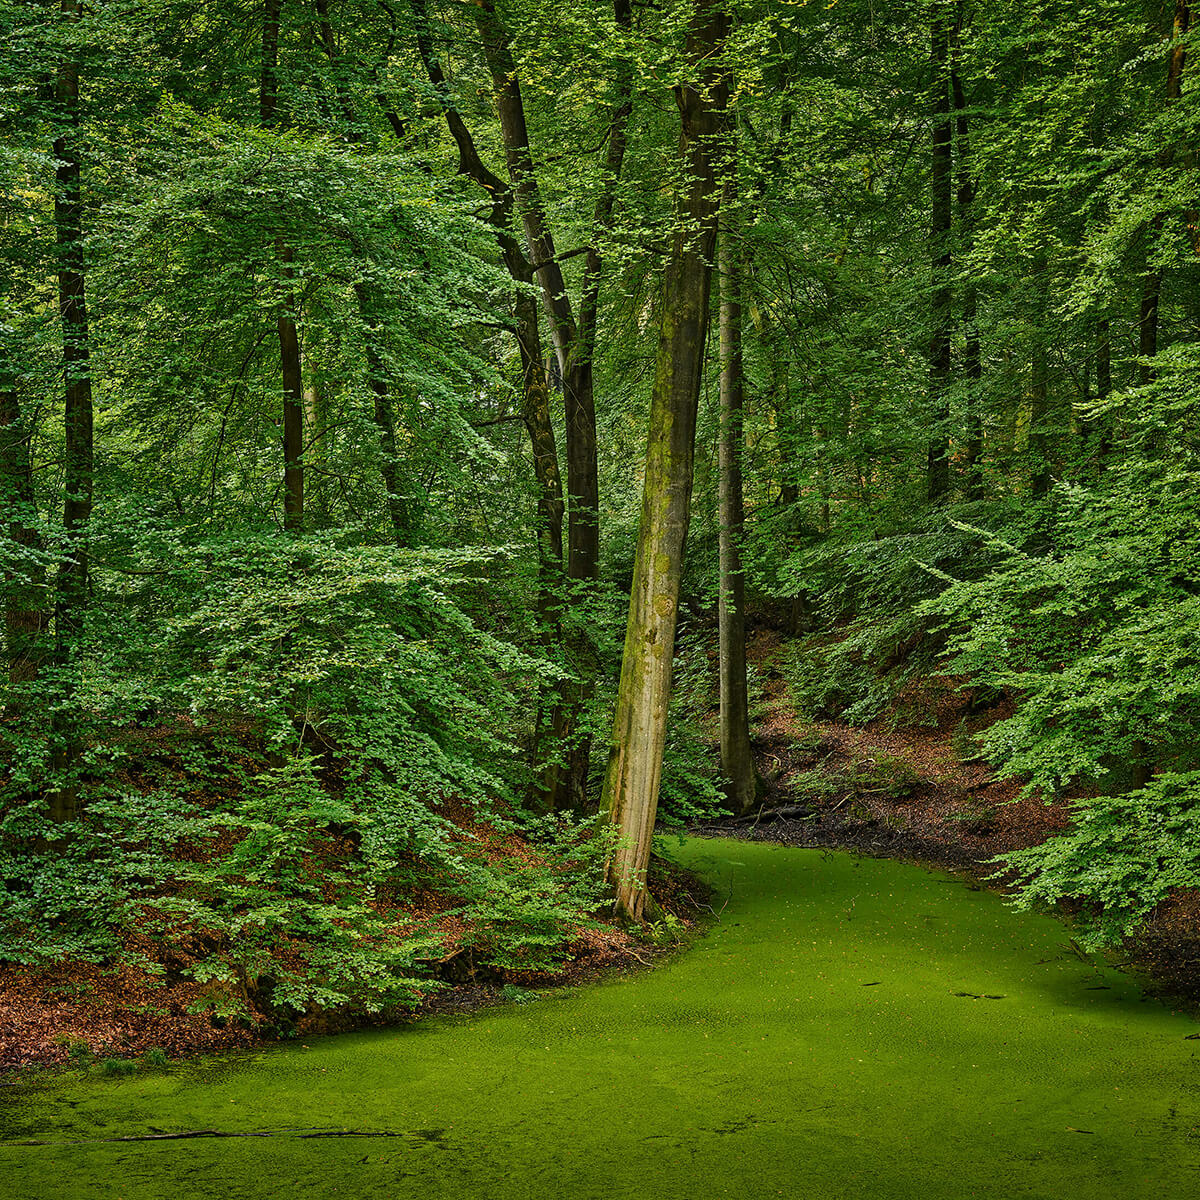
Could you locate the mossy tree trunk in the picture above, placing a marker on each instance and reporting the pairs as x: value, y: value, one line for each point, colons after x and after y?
x: 630, y: 797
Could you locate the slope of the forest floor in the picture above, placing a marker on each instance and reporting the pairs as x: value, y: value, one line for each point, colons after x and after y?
x: 913, y: 789
x: 113, y: 1014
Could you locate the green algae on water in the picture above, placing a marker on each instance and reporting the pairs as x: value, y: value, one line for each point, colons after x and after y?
x: 851, y: 1028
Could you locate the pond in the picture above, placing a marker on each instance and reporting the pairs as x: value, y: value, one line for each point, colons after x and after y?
x: 851, y: 1028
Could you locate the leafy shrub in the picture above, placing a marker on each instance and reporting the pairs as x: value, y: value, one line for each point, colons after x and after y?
x: 1122, y: 857
x: 313, y: 703
x: 691, y: 786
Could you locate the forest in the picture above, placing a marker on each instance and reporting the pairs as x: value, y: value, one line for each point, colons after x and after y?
x: 478, y: 477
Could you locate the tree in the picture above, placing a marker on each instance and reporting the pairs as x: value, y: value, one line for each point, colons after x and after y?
x: 630, y: 797
x: 737, y: 759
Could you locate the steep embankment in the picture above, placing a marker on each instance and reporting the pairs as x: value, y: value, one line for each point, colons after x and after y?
x: 911, y: 786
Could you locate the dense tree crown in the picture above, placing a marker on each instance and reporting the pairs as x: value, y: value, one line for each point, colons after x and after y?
x: 404, y: 403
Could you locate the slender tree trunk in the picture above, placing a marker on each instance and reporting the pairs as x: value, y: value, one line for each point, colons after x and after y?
x: 972, y: 355
x: 737, y: 760
x: 574, y: 344
x: 938, y: 468
x: 293, y: 404
x: 555, y: 702
x: 289, y: 338
x: 1103, y: 423
x: 25, y: 617
x: 557, y: 786
x: 1039, y: 391
x: 399, y: 516
x: 385, y: 420
x: 71, y: 585
x: 1153, y: 279
x: 639, y: 729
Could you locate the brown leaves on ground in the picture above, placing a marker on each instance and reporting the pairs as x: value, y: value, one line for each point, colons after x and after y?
x: 909, y: 786
x: 76, y: 1010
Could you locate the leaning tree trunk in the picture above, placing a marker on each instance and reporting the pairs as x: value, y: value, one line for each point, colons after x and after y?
x: 737, y: 761
x: 938, y: 467
x: 289, y: 338
x: 71, y: 585
x: 639, y: 728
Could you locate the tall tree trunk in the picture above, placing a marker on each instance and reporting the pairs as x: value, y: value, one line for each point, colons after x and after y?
x: 25, y: 618
x: 535, y: 409
x: 583, y: 536
x: 737, y: 760
x: 555, y: 702
x: 938, y: 467
x: 293, y: 404
x: 383, y: 410
x: 972, y: 355
x: 639, y: 728
x: 1153, y: 278
x: 289, y: 338
x: 574, y: 344
x: 71, y: 585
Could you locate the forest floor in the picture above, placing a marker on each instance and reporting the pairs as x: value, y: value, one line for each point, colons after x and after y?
x: 913, y: 790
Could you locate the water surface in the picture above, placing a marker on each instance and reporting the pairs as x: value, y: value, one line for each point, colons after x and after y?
x: 851, y: 1028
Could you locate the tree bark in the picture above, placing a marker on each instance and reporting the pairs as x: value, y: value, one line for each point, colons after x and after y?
x: 938, y: 466
x: 71, y: 585
x: 1153, y: 278
x: 25, y: 617
x: 737, y: 760
x: 972, y: 355
x: 289, y: 338
x: 639, y: 728
x: 574, y: 344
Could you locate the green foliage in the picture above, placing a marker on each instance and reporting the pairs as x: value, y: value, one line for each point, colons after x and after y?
x: 524, y: 914
x: 690, y: 789
x: 1123, y: 856
x: 324, y: 697
x: 118, y: 1068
